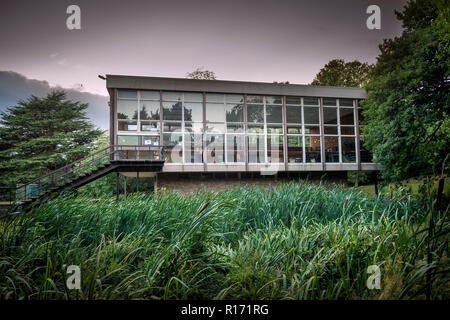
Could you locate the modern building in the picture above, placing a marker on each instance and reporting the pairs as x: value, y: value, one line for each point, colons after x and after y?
x: 211, y: 126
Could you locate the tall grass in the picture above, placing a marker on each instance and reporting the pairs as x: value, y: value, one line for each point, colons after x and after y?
x: 294, y: 241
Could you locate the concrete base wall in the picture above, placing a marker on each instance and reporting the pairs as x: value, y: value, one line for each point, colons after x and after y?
x: 193, y: 182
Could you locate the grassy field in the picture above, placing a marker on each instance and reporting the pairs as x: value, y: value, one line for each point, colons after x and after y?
x: 294, y: 241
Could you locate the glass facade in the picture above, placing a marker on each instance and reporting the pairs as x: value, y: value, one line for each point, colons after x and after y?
x: 220, y: 128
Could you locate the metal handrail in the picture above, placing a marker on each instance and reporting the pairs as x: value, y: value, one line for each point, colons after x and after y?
x: 75, y: 169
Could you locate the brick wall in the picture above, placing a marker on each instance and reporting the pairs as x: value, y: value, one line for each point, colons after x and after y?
x: 193, y: 182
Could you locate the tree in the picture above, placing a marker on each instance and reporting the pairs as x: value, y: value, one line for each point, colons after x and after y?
x: 337, y: 72
x: 201, y: 74
x: 407, y: 109
x: 42, y: 134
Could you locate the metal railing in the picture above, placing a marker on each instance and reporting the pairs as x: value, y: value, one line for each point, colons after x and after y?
x: 79, y: 168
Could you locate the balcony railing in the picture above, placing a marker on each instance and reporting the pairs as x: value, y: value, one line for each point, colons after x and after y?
x: 80, y: 168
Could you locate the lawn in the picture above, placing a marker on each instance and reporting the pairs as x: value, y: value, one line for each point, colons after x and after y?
x: 294, y: 241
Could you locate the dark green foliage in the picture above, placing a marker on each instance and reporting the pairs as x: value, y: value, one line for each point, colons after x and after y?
x: 42, y: 134
x: 407, y: 110
x: 339, y: 73
x: 290, y: 242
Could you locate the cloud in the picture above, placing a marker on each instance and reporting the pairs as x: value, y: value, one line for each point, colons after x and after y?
x: 14, y: 87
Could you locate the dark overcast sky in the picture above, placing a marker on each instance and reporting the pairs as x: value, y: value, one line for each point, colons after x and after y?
x: 254, y: 40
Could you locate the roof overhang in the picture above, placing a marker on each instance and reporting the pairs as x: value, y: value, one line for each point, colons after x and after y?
x: 225, y: 86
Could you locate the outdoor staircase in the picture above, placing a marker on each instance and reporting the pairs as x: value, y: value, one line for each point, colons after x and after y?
x: 115, y: 158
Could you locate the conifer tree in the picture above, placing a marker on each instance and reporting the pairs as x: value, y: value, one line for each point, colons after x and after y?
x: 42, y: 134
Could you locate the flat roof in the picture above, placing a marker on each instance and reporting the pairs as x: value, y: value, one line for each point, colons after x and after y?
x: 227, y: 86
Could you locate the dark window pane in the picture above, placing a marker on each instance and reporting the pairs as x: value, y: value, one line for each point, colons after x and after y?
x: 348, y: 149
x: 329, y: 101
x: 234, y: 98
x: 215, y: 97
x: 127, y: 126
x: 331, y: 149
x: 293, y: 114
x: 149, y: 110
x: 330, y: 130
x: 193, y: 96
x: 234, y: 112
x: 346, y: 102
x: 254, y: 99
x: 150, y: 95
x: 312, y: 149
x: 295, y: 149
x: 255, y: 113
x: 172, y: 111
x: 346, y: 115
x: 129, y: 94
x: 347, y: 130
x: 127, y: 109
x: 330, y: 115
x: 171, y: 96
x: 293, y: 100
x: 312, y: 129
x: 311, y: 101
x: 311, y: 115
x: 274, y: 114
x: 193, y: 111
x: 274, y: 100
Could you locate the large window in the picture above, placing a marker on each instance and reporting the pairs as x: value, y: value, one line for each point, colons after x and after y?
x: 294, y: 130
x: 215, y: 128
x: 138, y: 111
x: 265, y: 129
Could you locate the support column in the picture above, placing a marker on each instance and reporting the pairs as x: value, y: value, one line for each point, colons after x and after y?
x: 117, y: 186
x: 155, y: 185
x: 125, y: 187
x: 322, y: 138
x: 376, y: 183
x: 137, y: 181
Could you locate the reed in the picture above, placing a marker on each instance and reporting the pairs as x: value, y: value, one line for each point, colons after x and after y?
x: 294, y: 241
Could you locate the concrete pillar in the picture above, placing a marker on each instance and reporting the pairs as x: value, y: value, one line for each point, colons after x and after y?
x: 117, y: 186
x: 155, y: 185
x: 125, y: 187
x: 137, y: 181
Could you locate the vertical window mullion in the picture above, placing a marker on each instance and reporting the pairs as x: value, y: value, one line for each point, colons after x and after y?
x: 182, y: 129
x: 265, y: 130
x: 339, y: 129
x: 138, y: 122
